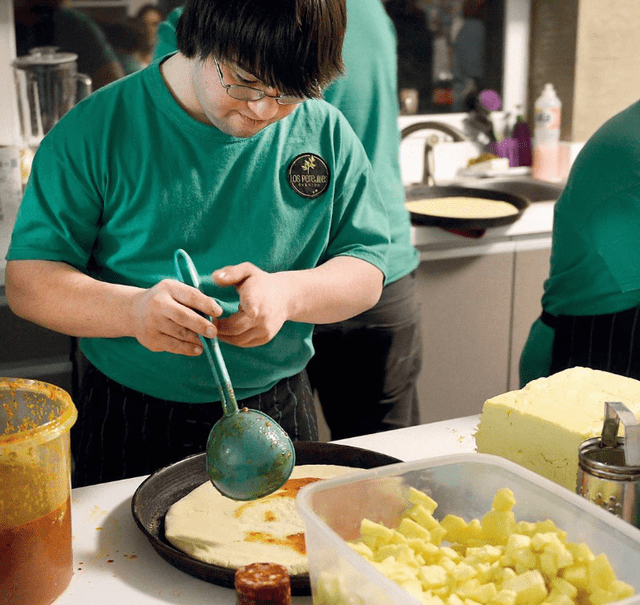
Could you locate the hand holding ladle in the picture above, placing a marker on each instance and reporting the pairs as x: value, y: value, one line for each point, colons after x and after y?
x: 249, y: 455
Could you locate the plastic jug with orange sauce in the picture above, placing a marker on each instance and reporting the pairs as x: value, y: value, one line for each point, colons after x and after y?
x: 36, y: 562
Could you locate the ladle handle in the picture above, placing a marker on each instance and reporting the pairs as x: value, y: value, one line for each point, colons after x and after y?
x: 219, y: 368
x: 188, y: 274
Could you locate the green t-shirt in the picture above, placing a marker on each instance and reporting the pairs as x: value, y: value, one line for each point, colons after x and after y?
x: 595, y: 255
x: 367, y: 96
x: 127, y: 177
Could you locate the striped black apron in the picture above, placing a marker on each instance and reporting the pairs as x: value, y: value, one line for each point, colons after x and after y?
x: 609, y: 342
x: 122, y: 433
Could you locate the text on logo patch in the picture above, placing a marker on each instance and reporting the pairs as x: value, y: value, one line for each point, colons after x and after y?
x: 308, y: 175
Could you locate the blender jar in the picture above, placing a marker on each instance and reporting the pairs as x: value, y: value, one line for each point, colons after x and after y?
x: 36, y: 561
x: 47, y: 85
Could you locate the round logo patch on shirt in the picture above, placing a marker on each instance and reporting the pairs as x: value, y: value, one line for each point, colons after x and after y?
x: 308, y: 175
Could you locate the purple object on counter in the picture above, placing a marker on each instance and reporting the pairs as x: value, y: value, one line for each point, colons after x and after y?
x: 507, y: 148
x: 522, y: 134
x: 491, y: 100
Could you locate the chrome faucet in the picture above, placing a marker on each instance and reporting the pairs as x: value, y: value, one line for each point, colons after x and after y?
x: 429, y: 165
x: 454, y: 133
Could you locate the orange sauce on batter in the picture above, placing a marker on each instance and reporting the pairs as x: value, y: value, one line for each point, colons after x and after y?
x: 294, y: 541
x: 289, y: 490
x: 36, y: 559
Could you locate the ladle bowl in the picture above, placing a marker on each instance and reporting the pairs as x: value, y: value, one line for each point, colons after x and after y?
x: 249, y: 455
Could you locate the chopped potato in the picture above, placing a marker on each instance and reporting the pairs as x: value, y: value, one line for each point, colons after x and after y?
x: 497, y: 526
x: 420, y: 498
x: 493, y: 561
x: 504, y: 500
x: 529, y: 587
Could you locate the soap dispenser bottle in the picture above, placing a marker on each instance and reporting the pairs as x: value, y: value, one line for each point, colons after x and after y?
x: 546, y: 136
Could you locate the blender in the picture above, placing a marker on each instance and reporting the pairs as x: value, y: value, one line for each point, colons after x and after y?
x: 47, y: 85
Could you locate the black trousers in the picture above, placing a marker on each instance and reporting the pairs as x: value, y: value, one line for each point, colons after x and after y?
x: 365, y: 369
x: 122, y: 433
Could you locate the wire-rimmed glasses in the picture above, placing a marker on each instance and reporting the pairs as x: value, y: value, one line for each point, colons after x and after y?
x: 249, y: 93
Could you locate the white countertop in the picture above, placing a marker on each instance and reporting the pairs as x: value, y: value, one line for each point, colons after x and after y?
x: 115, y: 564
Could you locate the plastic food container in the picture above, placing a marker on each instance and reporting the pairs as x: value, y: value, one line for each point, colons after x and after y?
x: 462, y: 484
x: 36, y: 561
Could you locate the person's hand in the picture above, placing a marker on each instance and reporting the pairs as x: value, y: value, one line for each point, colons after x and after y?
x: 263, y: 305
x: 164, y: 317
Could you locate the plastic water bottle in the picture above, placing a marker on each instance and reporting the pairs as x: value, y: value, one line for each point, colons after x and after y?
x: 546, y: 135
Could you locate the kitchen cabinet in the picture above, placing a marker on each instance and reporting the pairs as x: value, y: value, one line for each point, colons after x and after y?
x: 476, y: 312
x: 465, y: 308
x: 530, y: 271
x: 30, y: 351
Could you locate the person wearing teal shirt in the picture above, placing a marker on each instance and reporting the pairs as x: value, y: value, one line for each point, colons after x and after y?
x: 50, y: 23
x: 592, y: 296
x: 226, y: 150
x: 365, y: 368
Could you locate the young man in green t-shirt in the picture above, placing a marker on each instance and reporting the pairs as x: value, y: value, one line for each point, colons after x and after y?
x: 223, y: 149
x: 365, y: 369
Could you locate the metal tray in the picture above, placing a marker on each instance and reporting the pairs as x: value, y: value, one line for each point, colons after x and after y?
x: 158, y: 492
x: 421, y: 192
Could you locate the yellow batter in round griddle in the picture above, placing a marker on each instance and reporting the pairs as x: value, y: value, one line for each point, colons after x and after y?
x: 462, y: 207
x: 214, y: 529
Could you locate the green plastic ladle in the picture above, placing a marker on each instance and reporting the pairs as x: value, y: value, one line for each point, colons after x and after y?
x: 249, y: 455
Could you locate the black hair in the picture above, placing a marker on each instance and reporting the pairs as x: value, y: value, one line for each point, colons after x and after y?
x: 294, y: 46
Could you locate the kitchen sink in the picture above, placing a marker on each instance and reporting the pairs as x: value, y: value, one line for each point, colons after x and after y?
x: 533, y: 189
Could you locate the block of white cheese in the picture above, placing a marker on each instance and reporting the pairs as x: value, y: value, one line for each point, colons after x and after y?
x: 542, y: 425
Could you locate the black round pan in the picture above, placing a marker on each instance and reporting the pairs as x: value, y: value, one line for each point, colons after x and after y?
x: 422, y: 192
x: 158, y: 492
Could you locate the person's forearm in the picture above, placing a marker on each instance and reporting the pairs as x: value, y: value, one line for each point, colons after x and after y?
x: 61, y: 298
x: 341, y: 288
x: 170, y: 316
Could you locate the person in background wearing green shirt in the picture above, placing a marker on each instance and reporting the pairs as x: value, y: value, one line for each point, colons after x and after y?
x: 365, y: 368
x: 51, y: 23
x: 128, y: 41
x: 226, y: 150
x: 591, y: 301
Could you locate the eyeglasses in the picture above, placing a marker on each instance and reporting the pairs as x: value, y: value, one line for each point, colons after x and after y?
x: 249, y: 93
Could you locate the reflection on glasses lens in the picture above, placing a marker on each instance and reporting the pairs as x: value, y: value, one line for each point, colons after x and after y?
x: 290, y: 100
x: 247, y: 93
